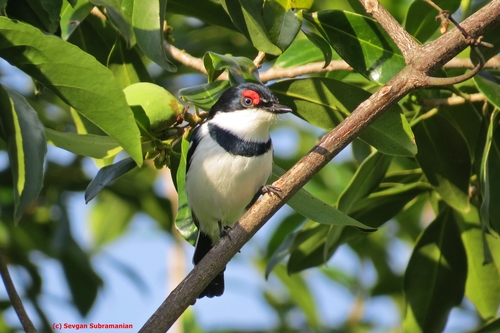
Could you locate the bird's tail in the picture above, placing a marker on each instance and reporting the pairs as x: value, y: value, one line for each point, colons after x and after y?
x: 216, y: 286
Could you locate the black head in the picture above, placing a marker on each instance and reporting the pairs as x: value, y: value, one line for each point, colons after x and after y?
x: 248, y: 96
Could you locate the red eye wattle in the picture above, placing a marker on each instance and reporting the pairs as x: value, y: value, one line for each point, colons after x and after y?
x: 252, y: 95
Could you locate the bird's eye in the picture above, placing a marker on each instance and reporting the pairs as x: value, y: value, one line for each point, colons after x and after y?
x: 246, y: 101
x: 249, y: 98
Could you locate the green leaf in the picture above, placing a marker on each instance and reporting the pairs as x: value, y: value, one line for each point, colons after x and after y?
x: 75, y: 77
x: 24, y: 136
x: 301, y: 52
x: 126, y: 65
x: 147, y: 19
x: 109, y: 207
x: 490, y: 89
x: 282, y: 23
x: 379, y: 207
x: 246, y: 15
x: 83, y: 281
x: 435, y: 276
x: 96, y: 36
x: 482, y: 286
x: 300, y: 294
x: 321, y: 44
x: 421, y: 20
x: 161, y: 107
x: 493, y: 326
x: 72, y: 16
x: 361, y: 42
x: 366, y: 179
x: 445, y: 159
x: 209, y: 11
x: 315, y: 209
x: 96, y: 146
x: 184, y: 221
x: 47, y: 12
x: 240, y: 69
x: 204, y: 95
x: 114, y: 11
x: 106, y: 175
x: 325, y: 102
x: 487, y: 175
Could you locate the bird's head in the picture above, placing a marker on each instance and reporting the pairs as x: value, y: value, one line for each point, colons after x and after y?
x: 248, y: 96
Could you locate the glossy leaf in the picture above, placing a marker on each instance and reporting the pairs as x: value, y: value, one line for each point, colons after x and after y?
x: 96, y: 36
x: 96, y: 146
x: 113, y: 9
x: 421, y: 20
x: 482, y: 286
x: 315, y: 209
x: 184, y: 221
x: 209, y: 11
x: 490, y: 89
x: 240, y: 69
x: 47, y: 12
x: 127, y: 65
x: 445, y: 159
x: 74, y: 76
x: 72, y: 16
x: 488, y: 178
x: 23, y: 134
x: 246, y: 15
x: 326, y: 102
x: 147, y: 19
x: 366, y: 179
x: 301, y: 52
x: 106, y: 175
x: 204, y: 95
x: 321, y: 44
x: 435, y: 276
x: 282, y: 23
x: 361, y: 42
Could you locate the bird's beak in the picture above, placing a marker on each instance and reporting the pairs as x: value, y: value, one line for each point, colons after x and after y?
x: 278, y: 108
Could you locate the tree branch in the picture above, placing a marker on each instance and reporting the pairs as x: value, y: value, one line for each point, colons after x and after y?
x: 400, y: 36
x: 425, y: 59
x: 17, y: 304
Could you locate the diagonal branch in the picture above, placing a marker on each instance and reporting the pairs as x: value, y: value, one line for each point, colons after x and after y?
x: 17, y: 304
x: 400, y: 36
x: 426, y: 59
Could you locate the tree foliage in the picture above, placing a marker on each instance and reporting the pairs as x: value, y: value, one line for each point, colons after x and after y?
x: 112, y: 84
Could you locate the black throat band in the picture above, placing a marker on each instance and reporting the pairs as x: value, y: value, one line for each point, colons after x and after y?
x: 235, y: 145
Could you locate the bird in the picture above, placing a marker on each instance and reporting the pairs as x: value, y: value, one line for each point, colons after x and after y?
x: 229, y: 161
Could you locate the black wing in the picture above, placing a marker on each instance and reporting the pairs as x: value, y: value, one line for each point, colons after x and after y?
x: 195, y: 140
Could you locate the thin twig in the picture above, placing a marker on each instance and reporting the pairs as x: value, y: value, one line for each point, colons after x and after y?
x: 454, y: 100
x: 17, y: 304
x: 428, y: 58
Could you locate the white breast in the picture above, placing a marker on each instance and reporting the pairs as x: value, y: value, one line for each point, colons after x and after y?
x: 220, y: 186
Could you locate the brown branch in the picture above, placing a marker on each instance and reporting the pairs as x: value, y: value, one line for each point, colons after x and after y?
x: 185, y: 58
x: 275, y: 73
x: 454, y: 100
x: 17, y: 304
x: 426, y: 59
x: 400, y: 36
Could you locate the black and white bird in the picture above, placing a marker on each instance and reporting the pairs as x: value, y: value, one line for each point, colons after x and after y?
x: 229, y: 161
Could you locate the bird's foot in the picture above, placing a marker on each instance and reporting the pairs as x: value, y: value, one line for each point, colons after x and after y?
x: 270, y: 189
x: 224, y: 230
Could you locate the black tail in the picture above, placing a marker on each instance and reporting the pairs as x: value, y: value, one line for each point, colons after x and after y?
x: 216, y: 286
